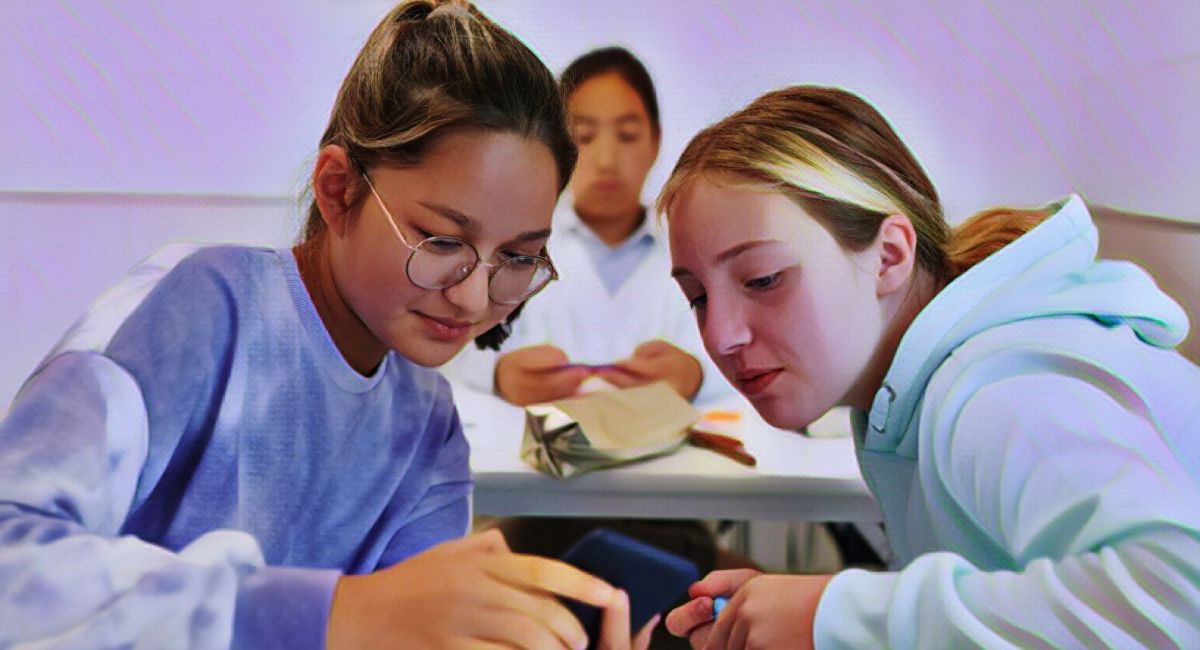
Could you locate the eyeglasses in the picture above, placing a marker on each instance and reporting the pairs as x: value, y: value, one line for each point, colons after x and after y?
x: 440, y: 262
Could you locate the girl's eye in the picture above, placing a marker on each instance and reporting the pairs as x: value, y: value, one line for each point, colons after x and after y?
x: 627, y: 137
x: 698, y: 302
x: 517, y: 261
x: 443, y: 245
x: 583, y: 137
x: 504, y: 256
x: 764, y: 282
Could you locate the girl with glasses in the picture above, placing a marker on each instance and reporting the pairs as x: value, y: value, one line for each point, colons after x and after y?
x: 1020, y: 413
x: 247, y: 448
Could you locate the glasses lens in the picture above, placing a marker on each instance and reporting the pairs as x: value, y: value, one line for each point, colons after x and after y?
x: 518, y: 278
x: 439, y: 262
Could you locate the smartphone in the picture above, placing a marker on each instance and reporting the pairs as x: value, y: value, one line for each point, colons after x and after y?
x: 653, y: 578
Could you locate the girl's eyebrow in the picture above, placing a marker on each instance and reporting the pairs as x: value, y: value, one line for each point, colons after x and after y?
x: 471, y: 225
x: 534, y: 235
x: 734, y: 251
x: 464, y: 221
x: 728, y: 254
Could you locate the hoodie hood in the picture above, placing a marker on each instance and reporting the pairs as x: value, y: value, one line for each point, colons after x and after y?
x: 1050, y: 271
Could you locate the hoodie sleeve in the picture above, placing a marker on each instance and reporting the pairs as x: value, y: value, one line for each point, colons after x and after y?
x: 1070, y: 480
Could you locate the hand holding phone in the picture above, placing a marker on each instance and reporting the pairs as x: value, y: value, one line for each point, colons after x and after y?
x: 653, y: 578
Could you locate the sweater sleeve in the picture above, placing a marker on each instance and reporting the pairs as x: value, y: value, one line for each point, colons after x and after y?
x: 1071, y: 482
x: 74, y: 453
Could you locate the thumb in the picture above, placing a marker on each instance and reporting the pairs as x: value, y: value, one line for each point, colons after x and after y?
x: 722, y: 583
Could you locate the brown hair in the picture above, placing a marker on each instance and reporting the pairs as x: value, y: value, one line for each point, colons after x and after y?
x: 625, y: 65
x: 435, y: 65
x: 988, y: 232
x: 837, y: 157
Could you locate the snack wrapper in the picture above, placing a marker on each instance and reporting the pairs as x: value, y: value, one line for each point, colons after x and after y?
x: 605, y: 429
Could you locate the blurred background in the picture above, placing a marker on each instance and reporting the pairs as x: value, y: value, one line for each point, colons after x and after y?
x: 128, y: 125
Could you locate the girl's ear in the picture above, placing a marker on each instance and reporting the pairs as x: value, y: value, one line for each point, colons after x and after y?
x: 896, y: 244
x: 334, y: 181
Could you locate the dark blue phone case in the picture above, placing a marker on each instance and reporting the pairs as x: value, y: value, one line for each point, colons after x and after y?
x: 653, y: 578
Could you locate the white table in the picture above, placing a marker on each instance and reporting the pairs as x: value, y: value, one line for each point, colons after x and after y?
x: 797, y: 478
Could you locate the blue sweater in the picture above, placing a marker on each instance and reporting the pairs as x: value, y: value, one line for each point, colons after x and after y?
x: 195, y: 465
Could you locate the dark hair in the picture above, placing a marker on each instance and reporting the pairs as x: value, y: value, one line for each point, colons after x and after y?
x: 622, y: 62
x: 432, y: 66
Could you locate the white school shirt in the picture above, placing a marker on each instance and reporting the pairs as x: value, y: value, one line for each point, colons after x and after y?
x: 592, y: 325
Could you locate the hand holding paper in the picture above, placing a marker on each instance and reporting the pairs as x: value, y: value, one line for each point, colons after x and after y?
x: 656, y: 361
x: 539, y: 373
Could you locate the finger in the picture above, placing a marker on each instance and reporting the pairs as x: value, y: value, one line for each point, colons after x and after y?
x: 614, y: 626
x: 642, y: 640
x: 722, y: 583
x: 620, y: 377
x: 739, y: 632
x: 718, y: 633
x: 682, y: 620
x: 537, y: 606
x: 653, y: 348
x: 479, y: 644
x: 545, y: 356
x: 640, y: 367
x: 542, y: 371
x: 560, y: 578
x: 513, y: 629
x: 699, y: 638
x: 571, y: 376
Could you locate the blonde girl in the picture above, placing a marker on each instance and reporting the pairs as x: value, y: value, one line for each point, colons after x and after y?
x: 1031, y: 435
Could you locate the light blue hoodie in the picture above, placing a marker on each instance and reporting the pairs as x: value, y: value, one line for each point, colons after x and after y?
x: 1035, y: 449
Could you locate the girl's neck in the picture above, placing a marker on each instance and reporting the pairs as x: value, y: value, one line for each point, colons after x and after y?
x: 358, y: 345
x: 922, y: 290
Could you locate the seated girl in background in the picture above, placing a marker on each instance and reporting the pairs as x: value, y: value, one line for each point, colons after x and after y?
x: 615, y: 314
x: 244, y: 450
x: 1021, y: 416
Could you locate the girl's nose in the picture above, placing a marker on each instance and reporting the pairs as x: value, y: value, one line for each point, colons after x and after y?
x: 470, y: 295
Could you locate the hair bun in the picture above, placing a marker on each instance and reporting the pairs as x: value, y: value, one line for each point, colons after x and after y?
x: 419, y: 10
x: 423, y: 9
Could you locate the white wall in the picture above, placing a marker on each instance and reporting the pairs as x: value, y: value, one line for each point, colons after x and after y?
x: 130, y: 124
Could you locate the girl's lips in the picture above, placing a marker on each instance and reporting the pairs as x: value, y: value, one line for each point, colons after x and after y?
x: 753, y: 384
x: 444, y: 330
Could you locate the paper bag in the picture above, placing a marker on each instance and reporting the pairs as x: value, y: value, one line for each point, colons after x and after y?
x: 605, y: 429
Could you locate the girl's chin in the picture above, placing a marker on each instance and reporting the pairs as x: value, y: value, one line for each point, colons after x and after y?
x: 782, y: 415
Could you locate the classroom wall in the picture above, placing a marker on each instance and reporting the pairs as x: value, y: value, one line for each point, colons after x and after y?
x: 131, y: 124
